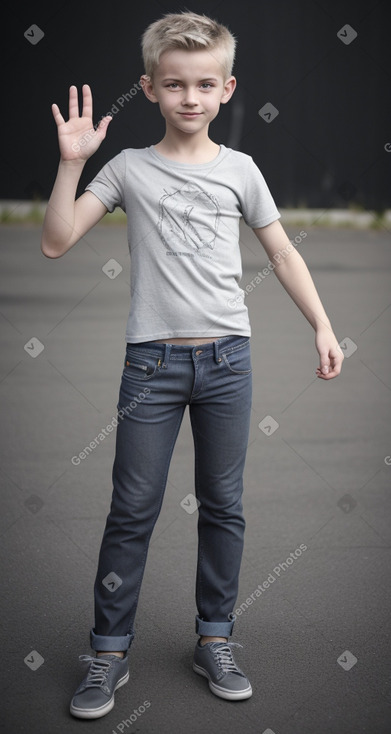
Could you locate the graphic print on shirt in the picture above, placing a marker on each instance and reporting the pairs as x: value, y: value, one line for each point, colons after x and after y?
x: 189, y: 217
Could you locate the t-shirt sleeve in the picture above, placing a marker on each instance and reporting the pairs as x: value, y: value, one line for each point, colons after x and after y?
x: 257, y: 206
x: 108, y: 184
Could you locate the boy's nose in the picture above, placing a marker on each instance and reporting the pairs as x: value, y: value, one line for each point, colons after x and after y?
x: 189, y: 97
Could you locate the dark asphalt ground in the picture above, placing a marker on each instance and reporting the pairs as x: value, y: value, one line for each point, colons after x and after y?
x: 316, y: 642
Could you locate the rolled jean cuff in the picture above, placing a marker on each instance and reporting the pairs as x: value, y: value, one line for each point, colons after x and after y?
x: 215, y: 629
x: 110, y: 644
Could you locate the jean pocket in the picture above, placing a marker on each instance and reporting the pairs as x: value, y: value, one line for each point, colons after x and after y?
x: 140, y: 366
x: 238, y: 361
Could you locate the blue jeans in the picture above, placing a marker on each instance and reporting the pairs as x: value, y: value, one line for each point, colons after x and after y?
x: 158, y: 382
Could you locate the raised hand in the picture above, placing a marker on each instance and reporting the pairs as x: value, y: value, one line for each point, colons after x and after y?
x: 77, y: 138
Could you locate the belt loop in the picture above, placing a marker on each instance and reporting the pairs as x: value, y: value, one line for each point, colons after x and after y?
x: 216, y: 351
x: 166, y: 357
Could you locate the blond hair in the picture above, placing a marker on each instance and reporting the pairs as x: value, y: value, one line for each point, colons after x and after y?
x: 190, y: 32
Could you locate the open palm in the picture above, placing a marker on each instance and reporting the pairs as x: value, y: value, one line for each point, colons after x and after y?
x: 77, y: 138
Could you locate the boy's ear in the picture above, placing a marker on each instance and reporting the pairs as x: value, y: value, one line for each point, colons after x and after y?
x: 229, y: 88
x: 147, y: 87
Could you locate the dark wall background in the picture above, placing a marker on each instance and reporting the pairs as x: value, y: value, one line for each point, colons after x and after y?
x: 325, y: 148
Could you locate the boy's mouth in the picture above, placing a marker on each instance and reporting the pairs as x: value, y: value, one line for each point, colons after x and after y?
x: 190, y: 114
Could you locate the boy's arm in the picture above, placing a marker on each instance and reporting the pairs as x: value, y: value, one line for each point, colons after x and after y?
x: 67, y: 220
x: 293, y: 274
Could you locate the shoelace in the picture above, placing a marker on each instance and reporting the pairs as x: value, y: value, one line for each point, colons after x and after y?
x: 223, y: 656
x: 98, y: 671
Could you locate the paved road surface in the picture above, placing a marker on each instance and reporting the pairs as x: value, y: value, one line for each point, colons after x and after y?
x: 316, y: 640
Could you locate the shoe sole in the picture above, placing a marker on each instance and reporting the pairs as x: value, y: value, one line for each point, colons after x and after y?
x: 102, y: 710
x: 223, y: 692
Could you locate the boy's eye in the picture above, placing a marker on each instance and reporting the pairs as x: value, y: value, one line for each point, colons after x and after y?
x: 204, y: 85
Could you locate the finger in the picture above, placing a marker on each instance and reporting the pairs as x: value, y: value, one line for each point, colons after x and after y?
x: 333, y: 371
x: 87, y: 102
x: 336, y: 362
x: 337, y: 366
x: 73, y: 102
x: 329, y: 375
x: 103, y: 125
x: 324, y: 364
x: 59, y: 120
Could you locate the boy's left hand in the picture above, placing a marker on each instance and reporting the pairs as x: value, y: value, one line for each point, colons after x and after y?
x: 330, y: 353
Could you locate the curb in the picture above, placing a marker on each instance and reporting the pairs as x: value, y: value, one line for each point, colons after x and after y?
x: 30, y: 212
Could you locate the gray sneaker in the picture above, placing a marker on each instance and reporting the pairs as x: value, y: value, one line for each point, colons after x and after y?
x: 95, y: 695
x: 215, y: 662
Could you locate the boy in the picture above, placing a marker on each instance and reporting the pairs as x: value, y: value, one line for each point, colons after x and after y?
x: 186, y: 344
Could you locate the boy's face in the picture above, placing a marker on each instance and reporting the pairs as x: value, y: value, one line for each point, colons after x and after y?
x: 189, y: 87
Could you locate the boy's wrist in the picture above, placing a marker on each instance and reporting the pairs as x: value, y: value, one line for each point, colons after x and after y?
x: 324, y: 326
x: 77, y: 163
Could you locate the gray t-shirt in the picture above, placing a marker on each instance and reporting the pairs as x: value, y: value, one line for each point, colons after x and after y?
x: 183, y: 233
